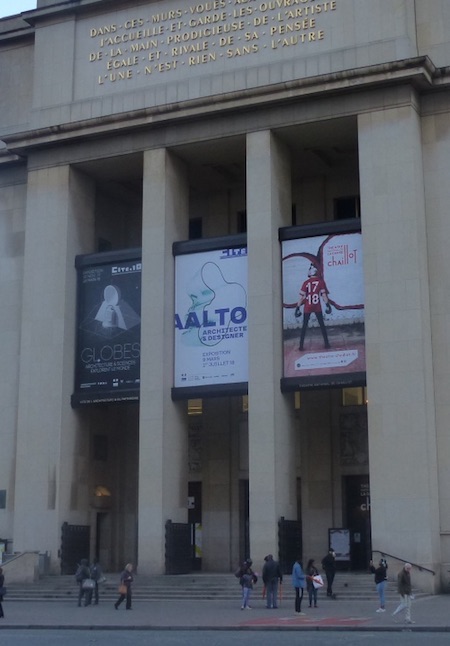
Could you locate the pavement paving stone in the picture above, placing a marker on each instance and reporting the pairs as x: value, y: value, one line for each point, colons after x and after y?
x: 429, y: 613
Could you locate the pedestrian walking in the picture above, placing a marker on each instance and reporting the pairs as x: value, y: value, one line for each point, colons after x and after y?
x: 313, y: 582
x: 404, y: 588
x: 380, y: 581
x: 81, y: 575
x: 126, y: 579
x: 271, y: 574
x: 299, y: 583
x: 2, y: 592
x: 329, y: 567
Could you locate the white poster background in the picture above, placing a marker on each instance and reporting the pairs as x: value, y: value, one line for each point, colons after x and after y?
x: 338, y: 258
x: 211, y: 343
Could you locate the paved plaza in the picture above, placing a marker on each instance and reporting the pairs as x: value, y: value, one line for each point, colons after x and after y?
x: 429, y: 613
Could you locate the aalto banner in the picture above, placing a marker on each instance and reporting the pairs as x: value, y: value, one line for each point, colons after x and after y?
x: 323, y: 306
x: 211, y: 338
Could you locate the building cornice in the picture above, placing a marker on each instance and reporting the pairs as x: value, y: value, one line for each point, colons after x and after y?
x: 419, y: 73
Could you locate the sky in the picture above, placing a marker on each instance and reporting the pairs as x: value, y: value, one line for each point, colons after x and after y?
x: 11, y: 7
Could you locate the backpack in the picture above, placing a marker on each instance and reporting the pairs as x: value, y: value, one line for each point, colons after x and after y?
x: 79, y: 574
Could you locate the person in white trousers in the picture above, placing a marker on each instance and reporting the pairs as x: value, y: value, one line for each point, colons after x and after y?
x: 404, y: 589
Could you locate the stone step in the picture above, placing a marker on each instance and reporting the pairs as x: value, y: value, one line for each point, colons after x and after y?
x: 349, y: 586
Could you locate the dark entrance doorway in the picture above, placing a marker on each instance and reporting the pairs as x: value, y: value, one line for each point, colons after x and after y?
x: 244, y: 512
x: 178, y: 548
x: 75, y: 541
x: 356, y: 506
x: 195, y: 520
x: 289, y: 543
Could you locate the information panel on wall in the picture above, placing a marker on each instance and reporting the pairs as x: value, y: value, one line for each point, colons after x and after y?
x: 323, y: 306
x: 211, y: 342
x: 107, y: 362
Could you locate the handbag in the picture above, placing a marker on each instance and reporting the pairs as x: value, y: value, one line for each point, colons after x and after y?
x: 317, y: 581
x: 123, y: 588
x: 88, y: 584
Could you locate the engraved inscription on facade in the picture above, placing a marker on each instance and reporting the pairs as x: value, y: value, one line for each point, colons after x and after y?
x: 204, y: 33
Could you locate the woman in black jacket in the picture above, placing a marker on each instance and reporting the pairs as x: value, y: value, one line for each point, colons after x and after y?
x: 380, y: 580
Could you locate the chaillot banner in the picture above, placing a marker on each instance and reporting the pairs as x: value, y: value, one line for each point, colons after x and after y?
x: 107, y: 366
x: 211, y: 344
x: 323, y: 306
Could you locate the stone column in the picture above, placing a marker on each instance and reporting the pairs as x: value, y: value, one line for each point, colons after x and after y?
x: 436, y: 146
x: 51, y: 475
x: 216, y: 483
x: 401, y: 416
x: 270, y: 418
x: 163, y: 430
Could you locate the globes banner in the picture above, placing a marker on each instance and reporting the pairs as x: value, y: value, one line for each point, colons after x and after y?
x: 211, y: 344
x: 323, y: 306
x: 107, y: 366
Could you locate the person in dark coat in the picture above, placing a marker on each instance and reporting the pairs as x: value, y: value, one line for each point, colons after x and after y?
x: 83, y: 573
x: 126, y: 579
x: 404, y: 588
x: 96, y: 575
x: 271, y: 575
x: 329, y: 567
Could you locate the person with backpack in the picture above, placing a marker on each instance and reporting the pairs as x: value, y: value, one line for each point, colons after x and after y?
x: 81, y: 575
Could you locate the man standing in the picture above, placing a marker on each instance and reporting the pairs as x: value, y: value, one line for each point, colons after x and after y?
x: 329, y: 567
x: 404, y: 589
x: 271, y: 574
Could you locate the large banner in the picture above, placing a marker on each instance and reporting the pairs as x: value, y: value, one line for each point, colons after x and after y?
x: 211, y: 346
x: 323, y: 308
x: 107, y: 366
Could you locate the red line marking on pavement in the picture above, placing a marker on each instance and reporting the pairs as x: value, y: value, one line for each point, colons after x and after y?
x: 306, y: 621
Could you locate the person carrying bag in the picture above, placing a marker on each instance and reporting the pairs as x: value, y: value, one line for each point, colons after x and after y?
x: 126, y: 579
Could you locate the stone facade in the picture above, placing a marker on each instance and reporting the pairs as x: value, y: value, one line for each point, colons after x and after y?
x: 124, y: 124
